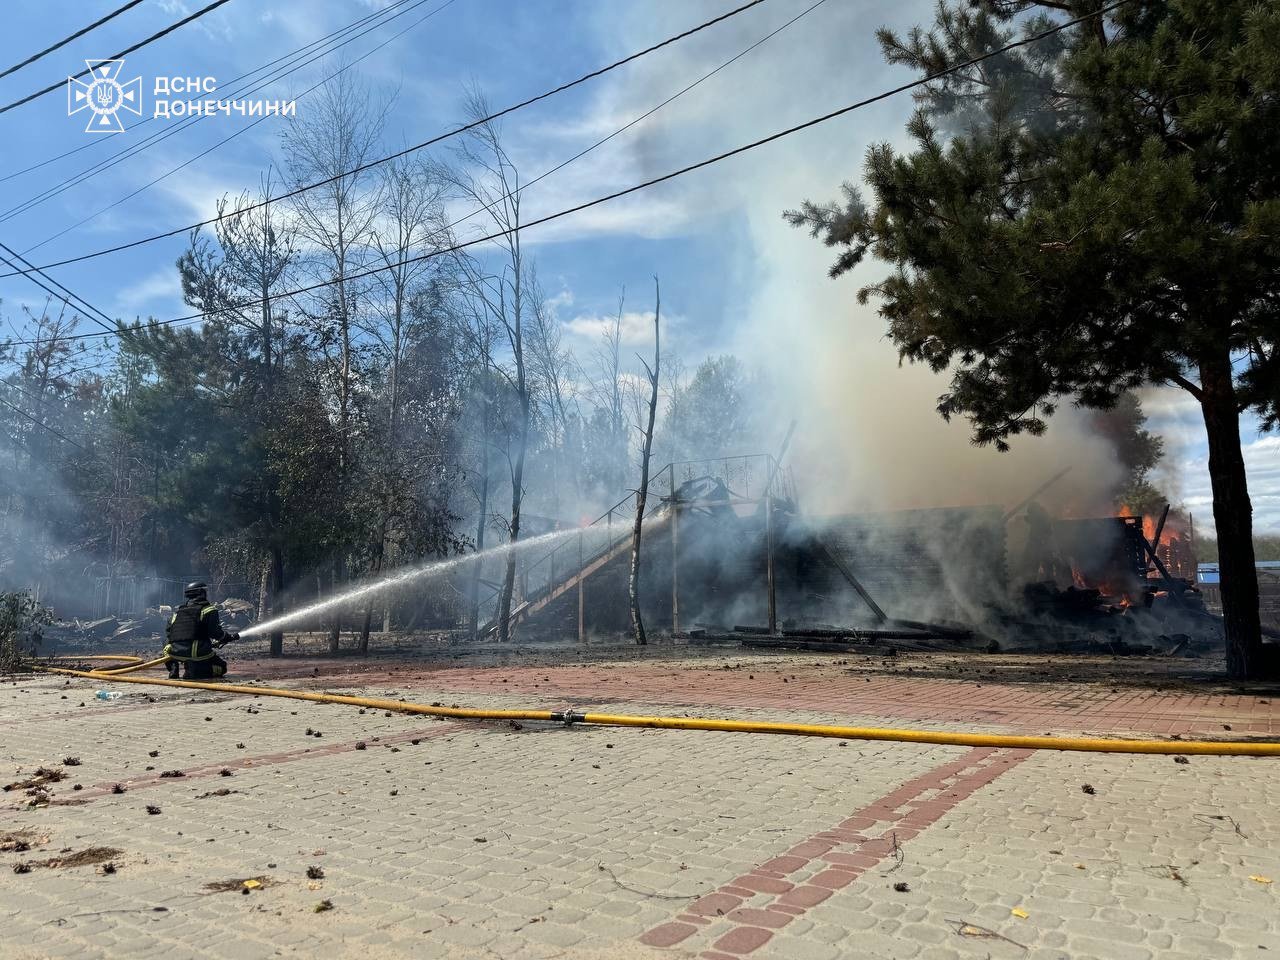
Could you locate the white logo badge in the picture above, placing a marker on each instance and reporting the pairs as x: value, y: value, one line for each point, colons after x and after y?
x: 102, y: 93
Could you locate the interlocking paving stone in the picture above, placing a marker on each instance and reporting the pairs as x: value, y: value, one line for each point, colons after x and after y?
x: 550, y: 842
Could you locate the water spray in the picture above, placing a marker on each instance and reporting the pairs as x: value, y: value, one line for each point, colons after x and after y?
x: 424, y: 571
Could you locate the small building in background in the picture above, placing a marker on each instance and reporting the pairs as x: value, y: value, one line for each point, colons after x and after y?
x: 1208, y: 578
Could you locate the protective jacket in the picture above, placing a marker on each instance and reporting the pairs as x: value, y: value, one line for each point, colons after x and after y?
x: 192, y: 630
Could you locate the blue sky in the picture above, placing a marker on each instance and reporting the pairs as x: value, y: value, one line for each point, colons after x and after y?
x: 734, y: 277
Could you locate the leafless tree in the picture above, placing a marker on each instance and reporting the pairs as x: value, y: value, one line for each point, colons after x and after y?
x: 339, y: 132
x: 256, y: 246
x: 646, y: 449
x: 485, y: 174
x: 552, y: 369
x: 410, y: 222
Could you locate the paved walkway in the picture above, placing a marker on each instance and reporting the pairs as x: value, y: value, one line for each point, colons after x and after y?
x: 439, y: 839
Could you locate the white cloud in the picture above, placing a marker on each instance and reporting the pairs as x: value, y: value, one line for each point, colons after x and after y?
x: 636, y: 326
x: 160, y: 286
x: 1261, y: 463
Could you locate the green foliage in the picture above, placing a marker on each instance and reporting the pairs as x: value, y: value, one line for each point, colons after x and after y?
x: 713, y: 414
x: 1266, y: 547
x: 1081, y: 215
x: 21, y: 618
x: 1137, y: 450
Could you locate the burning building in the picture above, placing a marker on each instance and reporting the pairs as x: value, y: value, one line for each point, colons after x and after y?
x: 727, y: 547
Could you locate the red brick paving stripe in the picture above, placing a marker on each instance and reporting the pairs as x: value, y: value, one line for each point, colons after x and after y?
x: 907, y: 698
x: 742, y: 940
x: 923, y: 800
x: 99, y: 790
x: 668, y: 934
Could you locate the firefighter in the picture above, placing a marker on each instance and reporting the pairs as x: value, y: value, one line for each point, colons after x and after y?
x: 194, y: 632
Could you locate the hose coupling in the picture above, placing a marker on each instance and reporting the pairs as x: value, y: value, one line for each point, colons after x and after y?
x: 568, y: 717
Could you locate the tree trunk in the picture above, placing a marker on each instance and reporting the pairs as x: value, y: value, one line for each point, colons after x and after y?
x: 277, y: 588
x: 642, y: 492
x: 1233, y: 517
x: 517, y: 495
x: 375, y: 571
x: 335, y: 627
x: 477, y: 568
x: 264, y: 584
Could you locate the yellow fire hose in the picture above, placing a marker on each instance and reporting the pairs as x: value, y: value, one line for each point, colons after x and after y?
x: 1215, y: 748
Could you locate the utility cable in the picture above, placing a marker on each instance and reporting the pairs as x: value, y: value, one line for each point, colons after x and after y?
x: 243, y: 130
x: 75, y: 36
x: 94, y: 312
x: 644, y: 185
x: 93, y: 142
x: 420, y: 146
x: 60, y: 296
x: 129, y: 152
x: 43, y: 426
x: 117, y: 56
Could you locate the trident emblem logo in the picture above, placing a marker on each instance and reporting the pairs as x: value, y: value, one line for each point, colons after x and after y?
x: 104, y: 95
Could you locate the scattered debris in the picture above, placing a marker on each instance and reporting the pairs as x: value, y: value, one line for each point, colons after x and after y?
x: 84, y: 858
x: 42, y: 776
x: 1258, y: 878
x: 315, y: 873
x: 21, y: 841
x: 71, y: 761
x: 1088, y: 788
x: 645, y: 893
x: 1170, y: 871
x: 241, y: 883
x: 902, y: 887
x: 220, y: 792
x: 323, y: 906
x: 1019, y: 913
x: 1180, y: 759
x: 965, y: 928
x: 153, y: 809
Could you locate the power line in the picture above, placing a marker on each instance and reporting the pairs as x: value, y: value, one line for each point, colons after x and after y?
x: 644, y: 185
x: 117, y: 56
x: 59, y: 296
x: 43, y: 426
x: 603, y: 140
x: 65, y: 40
x: 134, y: 150
x: 270, y: 63
x: 108, y: 326
x: 420, y: 146
x: 610, y: 136
x: 171, y: 171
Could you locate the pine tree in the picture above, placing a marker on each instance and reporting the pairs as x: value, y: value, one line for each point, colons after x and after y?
x: 1085, y: 214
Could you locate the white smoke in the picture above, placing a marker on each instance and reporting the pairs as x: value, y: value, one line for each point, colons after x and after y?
x: 869, y: 434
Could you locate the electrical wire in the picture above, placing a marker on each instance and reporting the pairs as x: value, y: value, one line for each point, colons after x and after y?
x: 243, y: 130
x: 75, y: 36
x: 43, y: 426
x: 117, y: 56
x: 626, y: 126
x: 419, y: 146
x: 626, y: 191
x: 129, y: 152
x: 270, y: 63
x: 109, y: 325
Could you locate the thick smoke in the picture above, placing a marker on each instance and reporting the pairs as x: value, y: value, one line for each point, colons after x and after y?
x: 869, y: 436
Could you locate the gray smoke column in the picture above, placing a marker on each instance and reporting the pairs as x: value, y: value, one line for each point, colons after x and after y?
x: 869, y: 434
